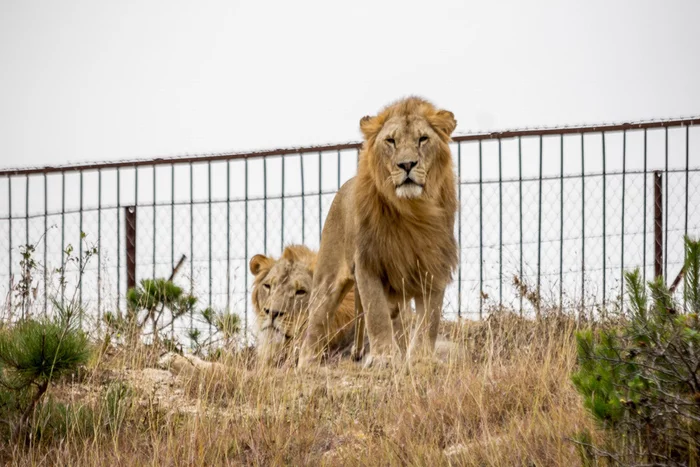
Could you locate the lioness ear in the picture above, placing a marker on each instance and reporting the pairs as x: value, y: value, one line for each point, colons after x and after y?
x: 444, y: 120
x: 260, y: 262
x: 369, y: 126
x: 300, y: 253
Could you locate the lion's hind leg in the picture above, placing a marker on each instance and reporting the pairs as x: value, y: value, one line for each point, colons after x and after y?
x: 358, y: 348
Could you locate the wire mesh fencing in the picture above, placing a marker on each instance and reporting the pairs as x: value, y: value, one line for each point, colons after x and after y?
x: 547, y: 218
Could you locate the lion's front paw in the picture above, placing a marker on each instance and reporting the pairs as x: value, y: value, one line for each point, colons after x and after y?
x: 307, y: 358
x: 447, y: 351
x: 166, y: 360
x: 357, y: 354
x: 425, y: 361
x: 379, y: 361
x: 176, y: 363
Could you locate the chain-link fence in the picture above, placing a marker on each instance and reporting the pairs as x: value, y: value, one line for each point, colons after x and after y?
x: 546, y: 217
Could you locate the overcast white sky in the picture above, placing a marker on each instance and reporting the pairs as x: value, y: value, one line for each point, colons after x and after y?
x: 90, y: 80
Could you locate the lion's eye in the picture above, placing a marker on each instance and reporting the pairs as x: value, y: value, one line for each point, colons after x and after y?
x: 422, y: 139
x: 300, y: 292
x: 391, y: 141
x: 267, y: 286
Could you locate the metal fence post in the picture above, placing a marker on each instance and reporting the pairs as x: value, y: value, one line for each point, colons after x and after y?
x: 561, y: 223
x: 155, y: 194
x: 538, y: 310
x: 303, y: 206
x: 658, y: 225
x: 500, y: 227
x: 520, y: 222
x: 687, y: 163
x: 282, y: 208
x: 192, y: 259
x: 228, y: 236
x: 481, y: 233
x: 583, y: 227
x: 265, y: 205
x: 459, y: 228
x: 99, y: 250
x: 130, y: 243
x: 63, y: 236
x: 622, y: 221
x: 119, y: 239
x: 46, y: 235
x: 644, y: 220
x: 665, y: 254
x: 9, y: 237
x: 602, y: 136
x: 80, y: 253
x: 320, y: 196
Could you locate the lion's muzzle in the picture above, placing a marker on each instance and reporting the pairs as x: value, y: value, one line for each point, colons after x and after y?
x: 407, y: 183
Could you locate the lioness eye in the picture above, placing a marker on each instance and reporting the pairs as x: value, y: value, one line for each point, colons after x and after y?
x: 301, y: 292
x: 391, y: 141
x: 267, y: 286
x: 423, y: 139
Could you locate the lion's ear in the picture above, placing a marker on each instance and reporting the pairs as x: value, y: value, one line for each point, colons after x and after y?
x: 370, y: 126
x: 444, y: 120
x: 300, y: 253
x: 260, y: 262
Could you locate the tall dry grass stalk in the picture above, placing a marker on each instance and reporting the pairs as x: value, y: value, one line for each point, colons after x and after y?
x: 503, y: 398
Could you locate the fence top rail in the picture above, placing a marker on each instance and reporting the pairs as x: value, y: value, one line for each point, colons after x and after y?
x: 91, y: 166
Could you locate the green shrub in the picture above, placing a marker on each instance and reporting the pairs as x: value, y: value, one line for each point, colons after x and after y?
x: 641, y: 378
x: 156, y: 304
x: 150, y: 303
x: 33, y: 354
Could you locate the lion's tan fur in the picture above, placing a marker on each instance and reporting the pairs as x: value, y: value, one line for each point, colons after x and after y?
x: 291, y: 272
x: 392, y: 234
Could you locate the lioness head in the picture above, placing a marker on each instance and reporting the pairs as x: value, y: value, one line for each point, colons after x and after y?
x: 281, y: 292
x: 406, y: 140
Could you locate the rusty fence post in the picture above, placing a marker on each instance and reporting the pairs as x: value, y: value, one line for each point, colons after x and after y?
x: 130, y: 242
x: 658, y: 225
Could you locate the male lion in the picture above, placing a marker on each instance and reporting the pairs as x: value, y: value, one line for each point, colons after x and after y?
x: 390, y: 231
x: 281, y: 294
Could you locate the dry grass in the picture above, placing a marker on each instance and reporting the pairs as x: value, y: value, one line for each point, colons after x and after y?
x: 507, y: 400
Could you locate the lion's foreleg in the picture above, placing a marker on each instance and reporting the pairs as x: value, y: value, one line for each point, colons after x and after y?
x: 399, y: 316
x: 428, y: 311
x: 374, y: 303
x: 317, y: 332
x: 359, y: 345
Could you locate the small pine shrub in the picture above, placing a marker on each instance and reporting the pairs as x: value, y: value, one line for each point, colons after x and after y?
x: 33, y: 354
x: 152, y: 298
x: 641, y: 378
x: 156, y: 304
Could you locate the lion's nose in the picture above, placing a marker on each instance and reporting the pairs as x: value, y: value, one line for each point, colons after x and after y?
x: 273, y: 313
x: 407, y: 166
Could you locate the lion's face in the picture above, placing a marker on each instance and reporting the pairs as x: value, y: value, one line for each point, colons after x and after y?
x: 407, y: 144
x: 281, y: 293
x: 407, y: 148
